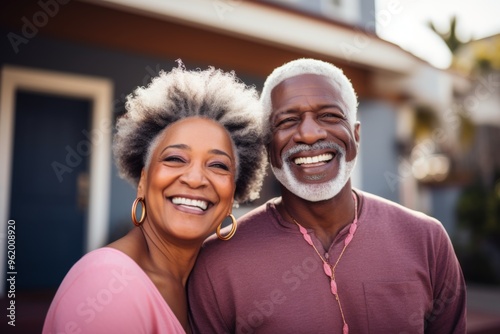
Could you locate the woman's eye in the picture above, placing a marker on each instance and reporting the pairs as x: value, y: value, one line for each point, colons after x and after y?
x: 174, y: 158
x: 220, y: 165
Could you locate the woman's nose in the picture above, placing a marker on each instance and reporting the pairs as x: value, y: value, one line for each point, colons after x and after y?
x: 194, y: 176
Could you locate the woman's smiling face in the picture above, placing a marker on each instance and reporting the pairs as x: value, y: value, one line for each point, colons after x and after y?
x: 189, y: 183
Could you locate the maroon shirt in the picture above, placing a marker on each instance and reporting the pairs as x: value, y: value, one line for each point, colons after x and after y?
x: 399, y: 274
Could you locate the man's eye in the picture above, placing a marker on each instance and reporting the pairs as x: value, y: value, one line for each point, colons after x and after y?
x: 332, y: 116
x: 285, y: 121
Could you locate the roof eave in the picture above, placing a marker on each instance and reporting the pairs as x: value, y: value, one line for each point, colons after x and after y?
x: 271, y: 25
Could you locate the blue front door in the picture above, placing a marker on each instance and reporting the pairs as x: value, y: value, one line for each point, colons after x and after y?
x: 48, y: 192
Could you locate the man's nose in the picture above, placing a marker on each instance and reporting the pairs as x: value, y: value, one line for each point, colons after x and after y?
x: 309, y: 131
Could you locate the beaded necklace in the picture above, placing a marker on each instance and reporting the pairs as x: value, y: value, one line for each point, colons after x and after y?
x: 327, y: 267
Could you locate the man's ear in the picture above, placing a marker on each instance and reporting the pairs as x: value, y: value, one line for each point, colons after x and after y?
x: 357, y: 127
x: 141, y: 187
x: 268, y: 153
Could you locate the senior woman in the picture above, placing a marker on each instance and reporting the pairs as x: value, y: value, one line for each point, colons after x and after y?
x: 191, y: 143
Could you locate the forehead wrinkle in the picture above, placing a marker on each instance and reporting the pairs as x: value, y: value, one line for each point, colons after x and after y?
x: 295, y: 95
x: 188, y: 148
x: 179, y: 146
x: 301, y: 108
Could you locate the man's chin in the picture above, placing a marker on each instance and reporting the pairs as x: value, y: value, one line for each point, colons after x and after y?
x: 309, y: 191
x: 315, y: 193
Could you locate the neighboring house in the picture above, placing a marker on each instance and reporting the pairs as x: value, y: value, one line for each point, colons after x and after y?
x: 67, y: 67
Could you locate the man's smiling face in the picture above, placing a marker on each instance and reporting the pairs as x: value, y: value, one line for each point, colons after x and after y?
x: 314, y: 146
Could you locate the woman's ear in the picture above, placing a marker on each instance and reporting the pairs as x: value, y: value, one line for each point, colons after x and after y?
x: 141, y: 187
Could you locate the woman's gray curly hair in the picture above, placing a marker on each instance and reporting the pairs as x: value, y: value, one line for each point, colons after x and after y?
x: 179, y: 94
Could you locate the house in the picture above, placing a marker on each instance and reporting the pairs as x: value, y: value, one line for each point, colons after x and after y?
x: 67, y: 66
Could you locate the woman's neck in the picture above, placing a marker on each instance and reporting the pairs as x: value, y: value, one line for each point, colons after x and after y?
x: 167, y: 265
x: 175, y: 260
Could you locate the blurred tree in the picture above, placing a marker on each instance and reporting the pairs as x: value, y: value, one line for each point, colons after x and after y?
x: 425, y: 122
x: 487, y: 54
x: 481, y: 55
x: 478, y: 207
x: 478, y: 212
x: 450, y: 36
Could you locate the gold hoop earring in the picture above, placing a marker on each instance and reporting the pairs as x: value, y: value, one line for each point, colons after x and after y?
x: 231, y: 233
x: 143, y: 211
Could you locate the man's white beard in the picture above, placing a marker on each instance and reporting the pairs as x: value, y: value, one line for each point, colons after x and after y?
x: 316, y: 191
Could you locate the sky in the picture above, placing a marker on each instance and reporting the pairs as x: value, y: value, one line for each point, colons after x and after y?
x: 404, y: 22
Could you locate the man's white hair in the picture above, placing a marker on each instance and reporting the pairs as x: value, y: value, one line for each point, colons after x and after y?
x: 307, y: 66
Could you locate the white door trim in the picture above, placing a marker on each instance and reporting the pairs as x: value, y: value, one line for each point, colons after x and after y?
x: 100, y: 92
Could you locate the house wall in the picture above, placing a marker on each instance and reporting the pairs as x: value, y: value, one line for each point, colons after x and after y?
x: 378, y: 155
x: 444, y: 205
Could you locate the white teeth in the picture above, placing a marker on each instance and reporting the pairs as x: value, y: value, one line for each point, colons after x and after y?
x: 190, y: 202
x: 313, y: 160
